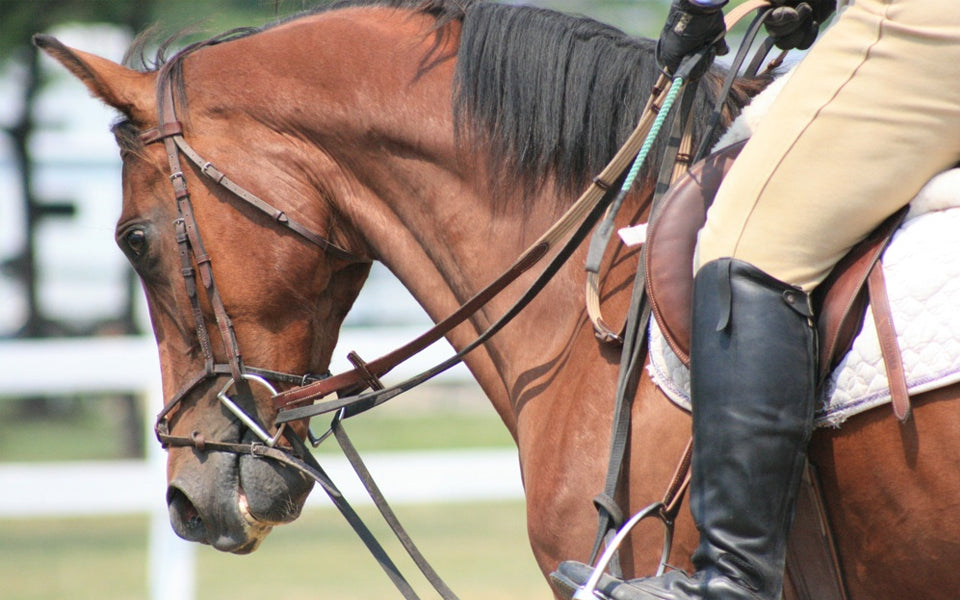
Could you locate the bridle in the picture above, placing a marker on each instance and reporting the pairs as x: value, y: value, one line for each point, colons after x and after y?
x: 192, y: 252
x: 308, y: 387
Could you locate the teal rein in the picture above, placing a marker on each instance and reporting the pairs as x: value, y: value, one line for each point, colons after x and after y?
x: 668, y: 102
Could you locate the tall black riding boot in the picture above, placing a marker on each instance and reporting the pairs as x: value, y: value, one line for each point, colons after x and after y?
x: 753, y: 369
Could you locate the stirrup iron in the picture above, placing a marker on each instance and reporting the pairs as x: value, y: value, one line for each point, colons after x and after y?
x: 588, y: 591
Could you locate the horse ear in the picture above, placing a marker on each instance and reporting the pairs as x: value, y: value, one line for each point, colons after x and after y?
x: 129, y: 91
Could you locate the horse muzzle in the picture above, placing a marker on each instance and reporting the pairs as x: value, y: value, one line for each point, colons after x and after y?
x: 230, y: 501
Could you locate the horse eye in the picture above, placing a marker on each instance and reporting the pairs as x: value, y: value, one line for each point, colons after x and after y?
x: 136, y: 242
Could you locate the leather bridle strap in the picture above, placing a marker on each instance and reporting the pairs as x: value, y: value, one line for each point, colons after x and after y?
x: 276, y: 215
x: 223, y: 370
x: 191, y: 252
x: 171, y: 129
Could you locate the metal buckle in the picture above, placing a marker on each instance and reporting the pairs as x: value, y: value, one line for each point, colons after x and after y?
x: 244, y: 417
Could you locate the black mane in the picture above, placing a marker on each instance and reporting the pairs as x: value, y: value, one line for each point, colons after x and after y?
x: 556, y: 95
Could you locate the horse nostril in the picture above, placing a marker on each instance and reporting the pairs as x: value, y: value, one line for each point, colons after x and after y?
x: 194, y: 521
x: 184, y: 516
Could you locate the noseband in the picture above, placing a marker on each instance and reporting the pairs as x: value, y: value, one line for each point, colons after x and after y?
x: 191, y: 251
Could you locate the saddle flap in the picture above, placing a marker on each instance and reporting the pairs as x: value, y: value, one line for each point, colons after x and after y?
x: 840, y: 301
x: 671, y: 239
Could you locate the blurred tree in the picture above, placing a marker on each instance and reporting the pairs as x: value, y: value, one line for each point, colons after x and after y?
x: 19, y: 20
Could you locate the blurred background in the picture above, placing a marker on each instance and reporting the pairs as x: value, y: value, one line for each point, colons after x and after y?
x: 81, y: 477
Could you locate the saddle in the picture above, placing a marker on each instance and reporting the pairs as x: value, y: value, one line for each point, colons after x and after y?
x: 840, y: 301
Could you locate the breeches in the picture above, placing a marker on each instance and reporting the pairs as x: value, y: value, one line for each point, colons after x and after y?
x: 868, y: 117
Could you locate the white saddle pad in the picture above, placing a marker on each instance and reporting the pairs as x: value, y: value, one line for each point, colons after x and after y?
x: 922, y: 268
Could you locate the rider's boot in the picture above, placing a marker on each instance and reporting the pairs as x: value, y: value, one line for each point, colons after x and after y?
x: 753, y: 368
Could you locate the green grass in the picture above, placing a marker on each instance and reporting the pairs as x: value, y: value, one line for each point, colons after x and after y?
x: 61, y: 558
x: 69, y: 429
x: 90, y: 428
x: 481, y: 551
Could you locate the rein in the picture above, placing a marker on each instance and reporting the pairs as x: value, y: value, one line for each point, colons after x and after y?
x: 300, y: 401
x: 583, y: 215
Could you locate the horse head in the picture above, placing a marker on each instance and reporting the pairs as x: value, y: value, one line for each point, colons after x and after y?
x: 239, y: 304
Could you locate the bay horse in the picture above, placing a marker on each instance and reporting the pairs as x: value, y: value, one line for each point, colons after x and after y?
x: 441, y: 138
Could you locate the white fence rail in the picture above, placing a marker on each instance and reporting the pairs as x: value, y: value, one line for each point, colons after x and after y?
x: 129, y: 365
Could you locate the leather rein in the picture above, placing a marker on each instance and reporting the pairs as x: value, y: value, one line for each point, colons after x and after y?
x: 307, y: 387
x: 196, y: 264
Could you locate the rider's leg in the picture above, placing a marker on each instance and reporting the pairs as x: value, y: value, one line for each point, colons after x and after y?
x: 753, y: 363
x: 867, y: 118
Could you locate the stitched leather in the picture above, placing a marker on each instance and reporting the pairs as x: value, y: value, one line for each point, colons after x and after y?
x: 671, y: 238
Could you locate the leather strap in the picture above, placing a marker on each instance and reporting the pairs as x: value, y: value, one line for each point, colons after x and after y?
x: 889, y: 347
x: 364, y: 401
x: 812, y: 565
x: 170, y: 129
x: 678, y: 146
x: 373, y: 490
x: 380, y: 366
x: 632, y: 357
x: 307, y: 464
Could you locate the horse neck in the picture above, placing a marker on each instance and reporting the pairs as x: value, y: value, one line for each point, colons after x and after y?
x: 432, y: 221
x: 446, y: 241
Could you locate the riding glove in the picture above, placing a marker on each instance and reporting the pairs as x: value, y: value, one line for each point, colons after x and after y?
x: 796, y: 23
x: 691, y: 26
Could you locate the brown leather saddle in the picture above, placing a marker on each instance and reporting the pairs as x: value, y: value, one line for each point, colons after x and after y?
x: 840, y: 302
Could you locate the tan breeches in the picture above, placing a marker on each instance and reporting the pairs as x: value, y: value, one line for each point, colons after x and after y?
x: 870, y: 115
